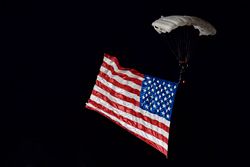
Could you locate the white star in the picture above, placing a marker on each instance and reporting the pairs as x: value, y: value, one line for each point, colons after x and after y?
x: 156, y: 98
x: 175, y: 87
x: 158, y: 92
x: 172, y: 94
x: 167, y: 115
x: 157, y: 81
x: 169, y: 85
x: 165, y: 88
x: 159, y: 86
x: 164, y: 105
x: 149, y: 81
x: 165, y: 98
x: 170, y: 101
x: 167, y: 92
x: 163, y: 113
x: 154, y: 106
x: 163, y: 94
x: 171, y: 89
x: 169, y: 108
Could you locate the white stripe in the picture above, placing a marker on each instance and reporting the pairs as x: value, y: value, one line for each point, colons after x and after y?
x: 133, y: 129
x: 119, y: 79
x: 130, y: 117
x: 126, y: 72
x: 133, y: 107
x: 117, y: 89
x: 122, y: 113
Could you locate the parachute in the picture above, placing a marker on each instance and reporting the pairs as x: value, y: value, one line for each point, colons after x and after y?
x: 167, y: 24
x: 180, y: 41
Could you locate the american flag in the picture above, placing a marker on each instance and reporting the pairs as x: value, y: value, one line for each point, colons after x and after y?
x: 142, y: 104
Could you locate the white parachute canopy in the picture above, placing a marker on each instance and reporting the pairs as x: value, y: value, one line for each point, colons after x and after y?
x: 169, y: 23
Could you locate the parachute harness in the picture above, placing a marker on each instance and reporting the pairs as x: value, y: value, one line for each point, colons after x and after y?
x: 183, y: 68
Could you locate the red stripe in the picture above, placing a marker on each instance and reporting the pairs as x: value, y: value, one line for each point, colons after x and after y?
x: 151, y: 143
x: 117, y: 95
x: 124, y: 76
x: 118, y: 84
x: 136, y: 103
x: 127, y: 121
x: 90, y: 108
x: 114, y: 59
x: 156, y: 146
x: 135, y: 114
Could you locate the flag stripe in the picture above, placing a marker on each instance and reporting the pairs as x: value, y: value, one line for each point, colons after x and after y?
x: 125, y: 81
x: 94, y: 101
x: 117, y: 89
x: 153, y: 144
x: 127, y: 96
x: 125, y: 76
x: 131, y: 114
x: 117, y: 94
x: 127, y: 118
x: 118, y: 84
x: 112, y: 61
x: 137, y: 111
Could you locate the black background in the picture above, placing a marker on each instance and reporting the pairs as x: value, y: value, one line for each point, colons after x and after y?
x: 50, y: 56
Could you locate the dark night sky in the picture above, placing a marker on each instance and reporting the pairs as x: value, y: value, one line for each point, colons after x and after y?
x: 52, y: 53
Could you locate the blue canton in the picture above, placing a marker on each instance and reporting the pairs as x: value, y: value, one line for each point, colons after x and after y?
x: 157, y: 96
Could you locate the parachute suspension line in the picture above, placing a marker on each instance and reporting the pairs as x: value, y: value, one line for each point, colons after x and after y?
x: 179, y: 49
x: 188, y: 47
x: 171, y: 48
x: 175, y: 46
x: 183, y: 48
